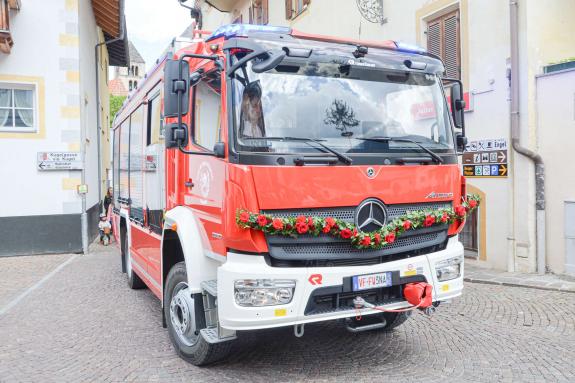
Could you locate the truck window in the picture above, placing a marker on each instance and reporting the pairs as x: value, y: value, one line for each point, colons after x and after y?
x: 154, y: 191
x: 136, y: 154
x: 116, y: 165
x: 124, y: 159
x: 207, y: 119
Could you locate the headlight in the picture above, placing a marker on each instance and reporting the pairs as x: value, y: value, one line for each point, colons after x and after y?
x: 263, y: 292
x: 448, y: 269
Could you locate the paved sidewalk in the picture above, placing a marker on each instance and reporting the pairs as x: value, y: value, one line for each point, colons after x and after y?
x: 553, y: 282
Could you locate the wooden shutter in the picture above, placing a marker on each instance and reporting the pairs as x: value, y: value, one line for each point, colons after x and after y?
x: 443, y: 40
x: 265, y: 11
x: 289, y: 9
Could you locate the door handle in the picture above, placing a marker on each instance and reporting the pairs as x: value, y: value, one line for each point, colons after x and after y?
x: 189, y: 184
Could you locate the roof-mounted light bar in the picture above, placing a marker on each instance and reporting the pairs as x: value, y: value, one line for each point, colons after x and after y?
x: 242, y: 30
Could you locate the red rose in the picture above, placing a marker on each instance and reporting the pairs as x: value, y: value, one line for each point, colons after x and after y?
x: 377, y: 238
x: 310, y: 221
x: 330, y: 221
x: 472, y: 203
x: 444, y: 217
x: 301, y: 219
x: 366, y: 241
x: 460, y: 210
x: 244, y: 216
x: 390, y: 238
x: 429, y: 220
x: 302, y: 228
x: 345, y: 233
x: 354, y: 232
x: 277, y: 224
x: 326, y: 229
x: 406, y: 225
x: 262, y: 220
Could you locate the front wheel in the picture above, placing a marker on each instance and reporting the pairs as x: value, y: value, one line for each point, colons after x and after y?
x: 185, y: 318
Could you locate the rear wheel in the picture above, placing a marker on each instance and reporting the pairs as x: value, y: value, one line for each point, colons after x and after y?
x: 134, y: 281
x: 184, y: 315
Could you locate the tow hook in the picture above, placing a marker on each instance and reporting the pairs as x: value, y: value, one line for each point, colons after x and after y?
x: 298, y: 330
x: 429, y: 311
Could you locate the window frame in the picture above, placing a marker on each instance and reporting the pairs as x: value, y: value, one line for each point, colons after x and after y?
x: 194, y: 112
x: 35, y: 99
x: 260, y: 8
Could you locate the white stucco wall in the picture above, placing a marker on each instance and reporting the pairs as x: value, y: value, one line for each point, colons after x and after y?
x: 26, y: 190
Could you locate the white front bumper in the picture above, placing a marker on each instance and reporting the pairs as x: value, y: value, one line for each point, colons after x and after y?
x: 241, y: 266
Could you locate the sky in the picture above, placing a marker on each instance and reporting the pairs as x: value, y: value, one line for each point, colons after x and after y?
x: 152, y: 24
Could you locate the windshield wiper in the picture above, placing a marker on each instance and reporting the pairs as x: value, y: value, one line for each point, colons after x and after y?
x: 399, y: 139
x: 342, y: 157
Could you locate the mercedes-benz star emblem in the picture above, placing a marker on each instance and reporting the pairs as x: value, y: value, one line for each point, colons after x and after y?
x: 370, y: 172
x: 370, y: 215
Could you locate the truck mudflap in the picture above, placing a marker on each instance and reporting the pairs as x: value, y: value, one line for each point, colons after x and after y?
x: 328, y: 293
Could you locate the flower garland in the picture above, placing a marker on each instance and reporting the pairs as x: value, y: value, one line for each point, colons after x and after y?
x: 412, y: 220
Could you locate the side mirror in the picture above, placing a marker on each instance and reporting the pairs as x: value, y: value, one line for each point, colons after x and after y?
x: 270, y: 61
x: 461, y: 142
x: 176, y: 135
x: 220, y: 149
x: 457, y: 105
x: 176, y: 89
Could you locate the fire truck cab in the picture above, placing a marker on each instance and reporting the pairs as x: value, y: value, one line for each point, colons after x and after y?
x: 284, y: 124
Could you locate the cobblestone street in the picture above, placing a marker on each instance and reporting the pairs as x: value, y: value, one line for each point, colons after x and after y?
x: 83, y: 324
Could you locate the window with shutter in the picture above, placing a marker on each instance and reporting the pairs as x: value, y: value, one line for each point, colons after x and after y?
x: 443, y: 40
x: 259, y: 12
x: 289, y: 9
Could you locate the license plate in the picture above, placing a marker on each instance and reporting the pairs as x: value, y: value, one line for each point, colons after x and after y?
x: 371, y: 281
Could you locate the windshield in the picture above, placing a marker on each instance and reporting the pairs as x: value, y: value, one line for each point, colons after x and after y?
x: 340, y: 105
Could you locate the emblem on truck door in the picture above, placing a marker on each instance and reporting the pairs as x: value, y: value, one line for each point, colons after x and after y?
x: 370, y: 215
x: 370, y: 172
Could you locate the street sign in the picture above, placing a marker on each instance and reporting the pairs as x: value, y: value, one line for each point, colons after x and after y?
x: 486, y: 158
x: 59, y: 161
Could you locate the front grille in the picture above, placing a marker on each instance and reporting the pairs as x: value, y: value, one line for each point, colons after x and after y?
x: 326, y: 250
x: 347, y: 213
x: 346, y: 247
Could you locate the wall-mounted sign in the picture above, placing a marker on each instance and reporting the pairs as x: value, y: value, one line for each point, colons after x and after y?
x: 59, y: 161
x: 486, y: 158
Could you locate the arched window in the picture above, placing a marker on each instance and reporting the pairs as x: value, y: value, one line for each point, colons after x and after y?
x: 135, y: 85
x: 136, y: 71
x: 130, y: 85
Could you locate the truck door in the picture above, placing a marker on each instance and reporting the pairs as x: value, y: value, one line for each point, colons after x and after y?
x: 204, y: 190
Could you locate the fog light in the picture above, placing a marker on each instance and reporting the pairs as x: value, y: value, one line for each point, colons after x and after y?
x: 448, y: 269
x: 263, y: 292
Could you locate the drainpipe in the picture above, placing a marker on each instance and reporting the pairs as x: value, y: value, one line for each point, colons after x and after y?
x: 516, y: 144
x: 99, y: 104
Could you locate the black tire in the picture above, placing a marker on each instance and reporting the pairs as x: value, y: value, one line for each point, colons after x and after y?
x: 134, y: 281
x: 201, y: 352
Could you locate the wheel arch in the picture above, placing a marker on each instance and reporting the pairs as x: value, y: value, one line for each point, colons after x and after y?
x: 184, y: 239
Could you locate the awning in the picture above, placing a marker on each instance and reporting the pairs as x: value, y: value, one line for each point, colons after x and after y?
x: 109, y: 16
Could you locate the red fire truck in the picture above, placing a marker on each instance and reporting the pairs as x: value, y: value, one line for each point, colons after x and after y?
x: 264, y: 177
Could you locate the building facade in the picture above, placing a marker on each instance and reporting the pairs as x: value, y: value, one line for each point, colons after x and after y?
x: 53, y: 103
x: 132, y: 75
x: 513, y: 230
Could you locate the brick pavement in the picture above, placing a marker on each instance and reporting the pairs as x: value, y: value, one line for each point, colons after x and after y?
x: 85, y: 325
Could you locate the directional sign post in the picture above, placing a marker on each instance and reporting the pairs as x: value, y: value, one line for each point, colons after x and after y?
x: 486, y: 158
x: 59, y: 161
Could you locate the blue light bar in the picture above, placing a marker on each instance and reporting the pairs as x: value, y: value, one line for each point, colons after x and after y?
x: 235, y: 30
x: 404, y: 47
